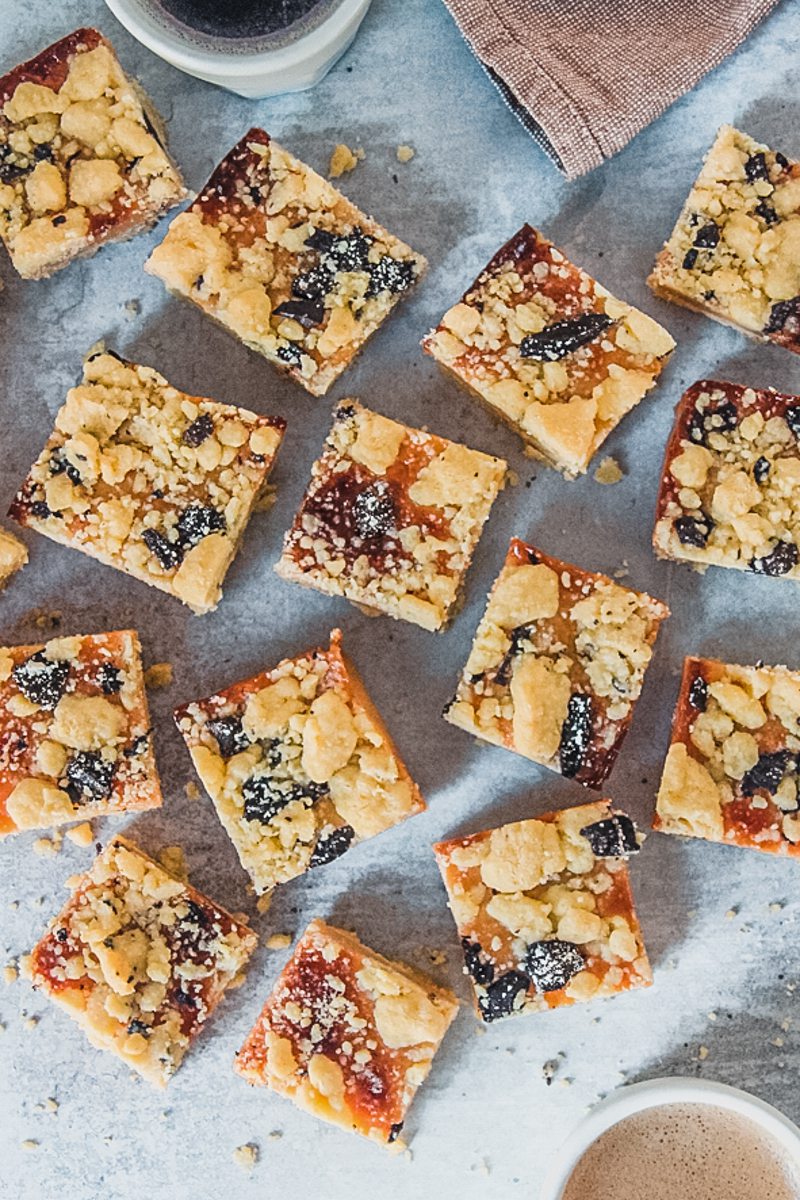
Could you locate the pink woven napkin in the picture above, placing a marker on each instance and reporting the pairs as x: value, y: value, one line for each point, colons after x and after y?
x: 584, y: 76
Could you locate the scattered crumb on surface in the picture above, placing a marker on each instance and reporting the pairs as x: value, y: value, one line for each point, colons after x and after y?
x: 172, y: 859
x: 278, y: 941
x: 266, y: 499
x: 549, y: 1070
x: 246, y: 1156
x: 30, y: 1023
x: 777, y: 1041
x: 776, y: 907
x: 344, y: 159
x: 30, y: 1144
x: 731, y: 913
x: 263, y: 903
x: 81, y: 835
x: 47, y: 620
x: 48, y: 847
x: 132, y: 308
x: 275, y: 1135
x: 609, y: 471
x: 192, y: 790
x: 438, y: 957
x: 158, y: 676
x: 10, y: 972
x: 712, y: 1016
x: 405, y: 153
x: 703, y: 1053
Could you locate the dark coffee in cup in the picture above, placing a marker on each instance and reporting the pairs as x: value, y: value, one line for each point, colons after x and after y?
x: 246, y: 25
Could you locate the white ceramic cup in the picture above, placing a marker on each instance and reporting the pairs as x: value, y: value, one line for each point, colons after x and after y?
x: 290, y: 68
x: 653, y: 1093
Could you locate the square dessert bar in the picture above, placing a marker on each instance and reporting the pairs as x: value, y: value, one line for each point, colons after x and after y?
x: 74, y: 732
x: 82, y: 159
x: 391, y: 517
x: 550, y: 351
x: 140, y: 960
x: 731, y: 774
x: 557, y: 664
x: 544, y: 910
x: 347, y: 1034
x: 730, y: 487
x: 734, y: 253
x: 281, y: 259
x: 13, y: 556
x: 299, y: 764
x: 150, y: 480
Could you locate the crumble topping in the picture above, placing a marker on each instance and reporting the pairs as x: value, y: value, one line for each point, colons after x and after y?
x: 13, y: 556
x: 140, y: 960
x: 280, y: 258
x: 74, y: 732
x: 544, y: 910
x: 299, y: 765
x: 550, y: 350
x: 346, y: 1034
x: 150, y: 480
x: 80, y: 158
x: 391, y: 517
x: 557, y: 664
x: 731, y: 774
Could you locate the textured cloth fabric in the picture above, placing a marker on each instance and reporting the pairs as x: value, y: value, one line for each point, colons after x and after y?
x: 585, y: 76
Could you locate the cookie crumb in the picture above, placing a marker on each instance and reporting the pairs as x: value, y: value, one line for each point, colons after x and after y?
x: 47, y: 620
x: 81, y: 835
x: 192, y: 790
x: 158, y: 676
x: 263, y: 903
x: 246, y: 1156
x: 10, y: 972
x: 172, y: 859
x: 405, y: 153
x: 609, y: 471
x: 30, y: 1144
x: 278, y: 941
x: 48, y: 847
x: 30, y: 1024
x: 703, y: 1053
x: 132, y: 308
x: 275, y: 1135
x: 343, y: 160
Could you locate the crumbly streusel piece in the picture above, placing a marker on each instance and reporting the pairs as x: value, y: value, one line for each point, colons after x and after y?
x: 13, y: 556
x: 544, y: 910
x: 734, y: 253
x: 730, y: 487
x: 150, y: 480
x: 731, y: 774
x: 299, y: 764
x: 557, y: 664
x: 81, y: 161
x: 140, y: 959
x: 278, y: 256
x: 74, y: 732
x: 391, y: 517
x: 347, y: 1034
x: 549, y: 350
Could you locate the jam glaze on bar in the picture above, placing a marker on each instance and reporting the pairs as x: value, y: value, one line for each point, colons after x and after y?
x: 549, y: 350
x: 734, y: 254
x: 347, y: 1034
x: 557, y: 664
x: 299, y: 765
x: 731, y: 774
x: 284, y: 261
x: 544, y: 910
x: 140, y: 960
x: 82, y: 161
x: 150, y: 480
x: 730, y: 487
x: 391, y: 517
x: 74, y: 732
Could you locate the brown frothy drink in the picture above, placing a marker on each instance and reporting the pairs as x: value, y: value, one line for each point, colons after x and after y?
x: 684, y: 1152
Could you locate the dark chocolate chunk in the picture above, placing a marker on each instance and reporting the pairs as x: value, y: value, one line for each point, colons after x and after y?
x: 307, y: 312
x: 184, y: 999
x: 767, y: 773
x: 264, y: 797
x: 333, y: 846
x: 230, y: 736
x: 693, y: 531
x: 781, y: 160
x: 756, y: 167
x: 201, y: 428
x: 62, y: 934
x: 169, y: 554
x: 564, y: 337
x: 10, y: 171
x: 138, y: 746
x: 290, y: 353
x: 500, y: 996
x: 520, y: 634
x: 391, y: 275
x: 314, y: 284
x: 613, y: 837
x: 351, y: 253
x: 59, y: 464
x: 197, y: 522
x: 576, y: 734
x: 395, y: 1131
x: 785, y: 314
x: 689, y: 259
x: 89, y: 777
x: 373, y: 510
x: 110, y: 679
x: 761, y: 469
x: 780, y: 560
x: 321, y: 239
x: 551, y: 964
x: 698, y: 694
x: 478, y: 968
x: 137, y: 1026
x: 707, y: 236
x: 41, y: 680
x: 792, y: 419
x: 41, y: 509
x: 43, y: 152
x: 767, y: 213
x: 195, y: 915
